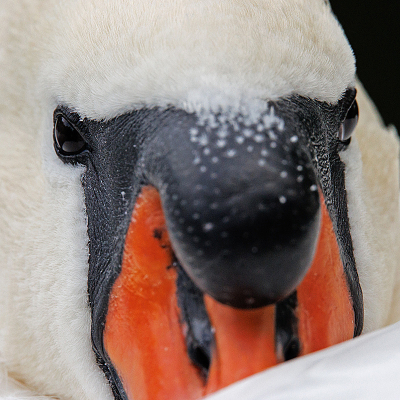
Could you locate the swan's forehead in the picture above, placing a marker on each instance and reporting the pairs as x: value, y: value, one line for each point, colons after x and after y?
x: 107, y: 56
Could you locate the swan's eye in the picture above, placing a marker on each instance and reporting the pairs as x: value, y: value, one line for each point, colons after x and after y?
x: 67, y: 139
x: 349, y: 124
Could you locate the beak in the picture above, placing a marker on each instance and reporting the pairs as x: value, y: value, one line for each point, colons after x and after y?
x: 230, y: 265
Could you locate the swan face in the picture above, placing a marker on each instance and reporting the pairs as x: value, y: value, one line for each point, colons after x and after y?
x: 105, y: 66
x: 191, y: 54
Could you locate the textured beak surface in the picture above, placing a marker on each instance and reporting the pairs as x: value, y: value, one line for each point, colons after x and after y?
x: 145, y: 332
x: 219, y: 244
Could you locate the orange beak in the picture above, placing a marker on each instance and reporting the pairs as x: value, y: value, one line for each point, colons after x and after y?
x: 144, y: 334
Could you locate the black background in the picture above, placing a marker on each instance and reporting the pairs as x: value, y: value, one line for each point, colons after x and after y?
x: 373, y: 30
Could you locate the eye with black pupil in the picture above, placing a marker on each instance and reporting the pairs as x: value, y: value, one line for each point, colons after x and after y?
x: 349, y: 124
x: 68, y: 140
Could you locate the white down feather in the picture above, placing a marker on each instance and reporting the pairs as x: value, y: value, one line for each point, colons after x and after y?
x: 105, y: 57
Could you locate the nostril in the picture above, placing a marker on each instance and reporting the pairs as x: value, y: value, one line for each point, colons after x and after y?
x: 198, y: 331
x: 199, y: 357
x: 287, y: 341
x: 292, y: 349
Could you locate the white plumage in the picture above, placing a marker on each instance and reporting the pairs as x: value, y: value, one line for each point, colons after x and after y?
x: 106, y: 57
x: 363, y: 368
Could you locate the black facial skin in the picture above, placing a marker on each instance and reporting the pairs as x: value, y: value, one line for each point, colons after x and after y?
x: 330, y: 170
x: 269, y: 212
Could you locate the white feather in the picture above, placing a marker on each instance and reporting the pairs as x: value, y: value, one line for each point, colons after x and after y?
x: 11, y: 389
x: 113, y: 55
x: 103, y: 57
x: 372, y: 185
x: 366, y: 368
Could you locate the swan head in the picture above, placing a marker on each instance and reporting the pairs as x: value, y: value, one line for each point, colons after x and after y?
x: 173, y: 174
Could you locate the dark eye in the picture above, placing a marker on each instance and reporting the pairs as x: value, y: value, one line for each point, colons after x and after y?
x: 349, y: 124
x: 68, y: 140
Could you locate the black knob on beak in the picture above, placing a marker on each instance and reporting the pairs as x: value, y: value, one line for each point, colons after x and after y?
x: 242, y: 206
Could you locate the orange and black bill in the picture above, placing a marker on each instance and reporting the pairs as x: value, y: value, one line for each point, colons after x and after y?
x: 146, y: 334
x: 219, y: 242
